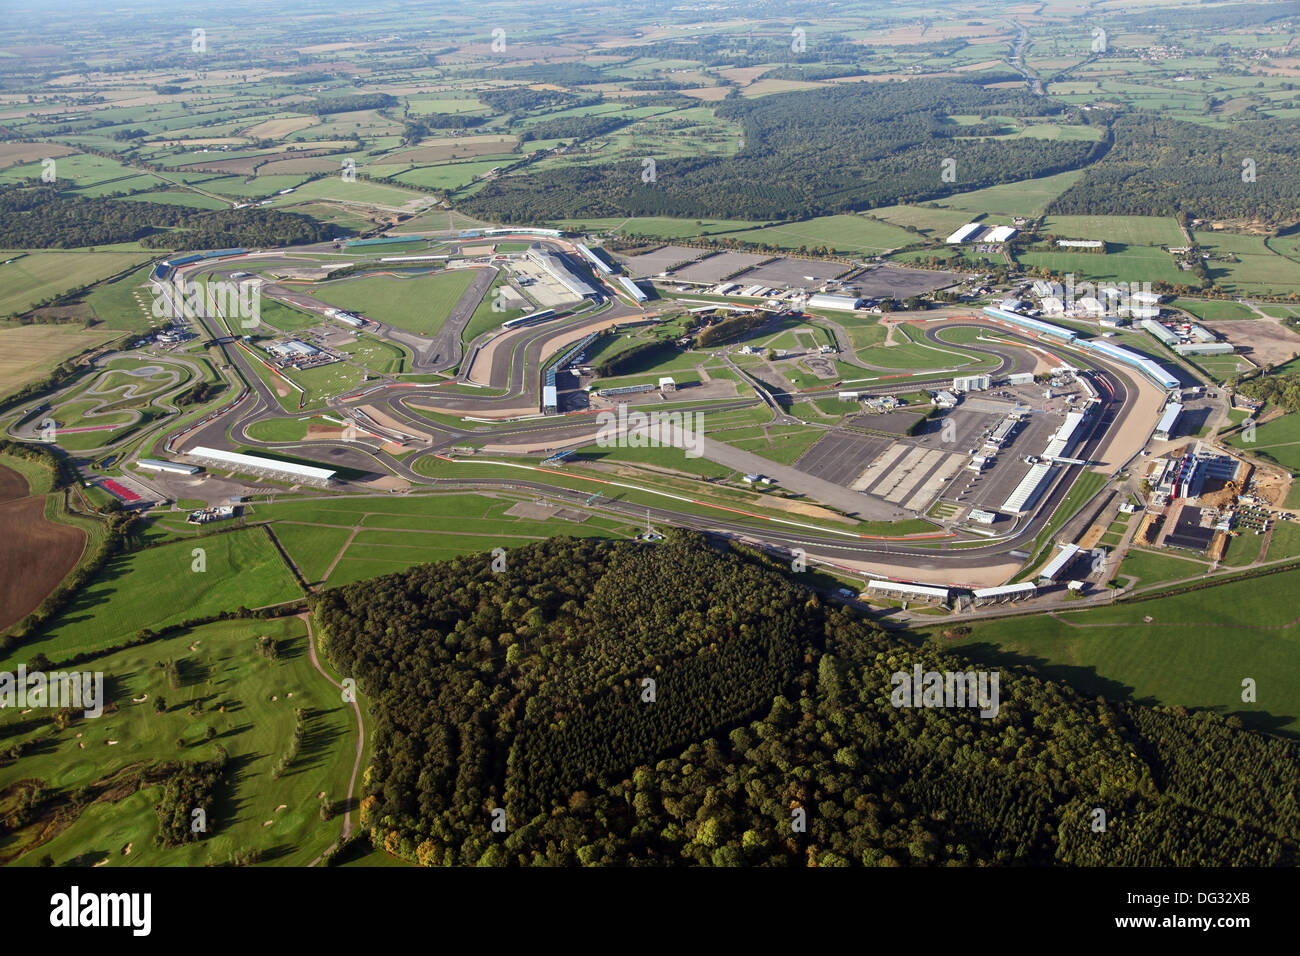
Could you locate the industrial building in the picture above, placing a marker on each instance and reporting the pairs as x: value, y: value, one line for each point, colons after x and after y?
x: 945, y: 399
x: 293, y: 352
x: 175, y: 468
x: 841, y: 303
x: 1166, y: 335
x: 972, y: 383
x: 1006, y: 594
x: 256, y: 465
x: 1059, y: 564
x: 559, y: 270
x: 981, y: 517
x: 965, y: 232
x: 898, y: 591
x: 1168, y: 418
x: 977, y: 232
x: 1020, y: 378
x: 1205, y: 348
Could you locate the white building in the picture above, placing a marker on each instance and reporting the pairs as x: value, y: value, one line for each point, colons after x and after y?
x: 1168, y: 419
x: 1059, y: 564
x: 840, y: 303
x: 175, y: 468
x: 964, y: 233
x: 908, y: 592
x: 1006, y: 594
x: 972, y: 383
x: 257, y: 465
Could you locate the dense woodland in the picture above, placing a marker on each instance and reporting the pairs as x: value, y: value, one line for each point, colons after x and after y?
x: 807, y: 153
x: 1163, y: 167
x: 525, y: 690
x: 40, y: 217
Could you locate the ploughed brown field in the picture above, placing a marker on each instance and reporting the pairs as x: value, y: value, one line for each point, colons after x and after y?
x: 36, y: 553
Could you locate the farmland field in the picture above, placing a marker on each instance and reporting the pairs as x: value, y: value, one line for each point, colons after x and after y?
x: 158, y: 586
x: 37, y: 276
x: 29, y: 352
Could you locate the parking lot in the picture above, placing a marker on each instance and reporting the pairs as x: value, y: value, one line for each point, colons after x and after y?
x: 716, y: 268
x: 660, y: 260
x: 793, y: 273
x: 841, y: 456
x: 899, y: 282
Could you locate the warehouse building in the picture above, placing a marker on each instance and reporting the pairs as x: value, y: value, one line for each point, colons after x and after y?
x: 965, y: 233
x: 840, y: 303
x: 173, y: 467
x: 1004, y: 430
x: 898, y: 591
x: 1168, y: 419
x: 1160, y: 331
x: 268, y: 467
x: 1021, y: 378
x: 292, y: 350
x: 1205, y: 348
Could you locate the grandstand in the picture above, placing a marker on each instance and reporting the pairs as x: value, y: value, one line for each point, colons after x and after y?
x: 268, y: 467
x: 1152, y: 369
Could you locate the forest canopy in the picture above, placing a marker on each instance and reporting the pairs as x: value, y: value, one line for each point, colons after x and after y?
x: 521, y: 698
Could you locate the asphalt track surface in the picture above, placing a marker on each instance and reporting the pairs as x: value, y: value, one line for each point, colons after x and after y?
x: 521, y: 363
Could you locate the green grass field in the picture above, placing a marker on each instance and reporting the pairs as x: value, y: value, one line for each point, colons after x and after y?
x: 860, y: 235
x: 1028, y: 197
x: 1194, y: 652
x: 37, y: 276
x: 372, y: 536
x: 228, y: 695
x: 1212, y: 310
x: 1278, y: 439
x: 1150, y: 567
x: 419, y: 304
x: 158, y: 586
